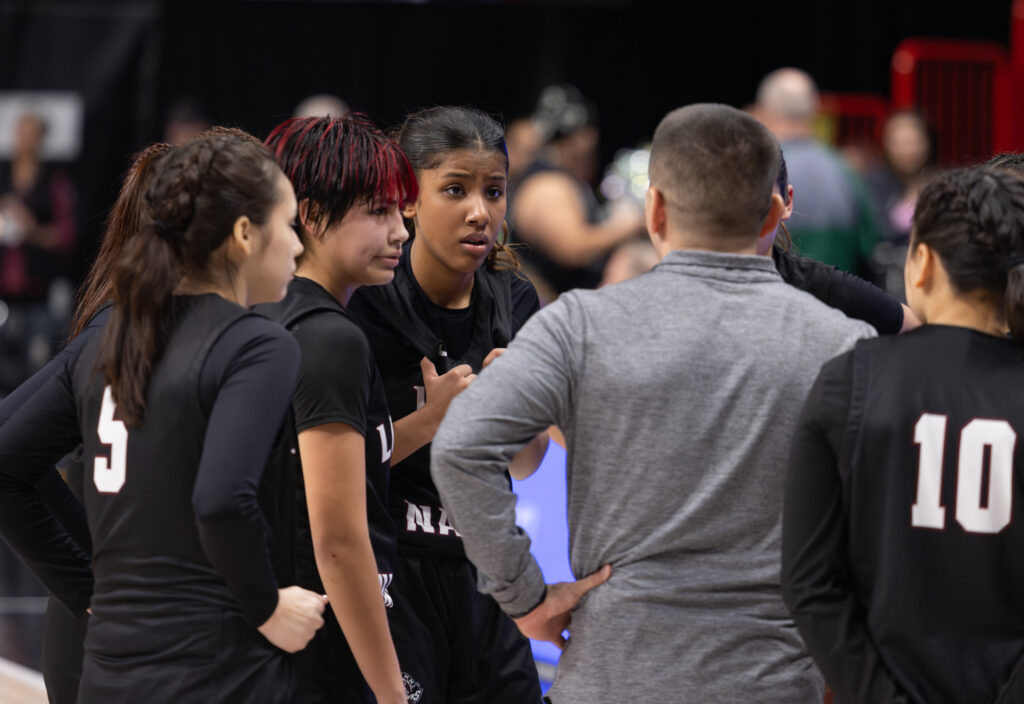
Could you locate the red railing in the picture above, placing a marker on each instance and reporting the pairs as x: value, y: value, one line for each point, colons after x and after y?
x: 964, y: 89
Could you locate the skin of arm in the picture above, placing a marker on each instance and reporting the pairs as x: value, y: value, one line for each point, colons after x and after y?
x: 548, y: 208
x: 333, y: 468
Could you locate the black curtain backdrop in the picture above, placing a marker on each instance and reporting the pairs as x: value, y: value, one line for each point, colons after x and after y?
x: 248, y: 62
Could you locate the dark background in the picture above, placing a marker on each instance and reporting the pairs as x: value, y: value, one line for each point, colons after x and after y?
x: 249, y: 62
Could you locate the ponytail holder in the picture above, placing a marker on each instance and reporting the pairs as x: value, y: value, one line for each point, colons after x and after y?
x: 1013, y: 261
x: 161, y: 229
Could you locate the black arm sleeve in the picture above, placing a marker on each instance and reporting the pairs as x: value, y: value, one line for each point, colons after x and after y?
x: 250, y: 375
x: 42, y: 430
x: 838, y: 289
x: 816, y: 581
x: 335, y: 375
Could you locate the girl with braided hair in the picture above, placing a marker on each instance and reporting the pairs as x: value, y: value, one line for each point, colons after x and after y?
x: 176, y: 405
x: 902, y: 521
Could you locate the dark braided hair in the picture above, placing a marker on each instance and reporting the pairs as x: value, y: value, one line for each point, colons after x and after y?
x: 974, y: 220
x: 196, y: 192
x: 1014, y: 163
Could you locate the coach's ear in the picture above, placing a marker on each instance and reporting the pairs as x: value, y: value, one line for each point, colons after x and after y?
x: 656, y: 219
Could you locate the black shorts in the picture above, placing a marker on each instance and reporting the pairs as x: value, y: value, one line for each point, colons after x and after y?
x: 188, y: 660
x: 62, y: 653
x: 328, y: 670
x: 454, y: 644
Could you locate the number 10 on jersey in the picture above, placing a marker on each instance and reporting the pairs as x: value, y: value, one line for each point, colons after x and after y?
x: 975, y: 437
x: 108, y: 475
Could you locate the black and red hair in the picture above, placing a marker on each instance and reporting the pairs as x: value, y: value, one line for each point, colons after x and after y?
x: 335, y: 163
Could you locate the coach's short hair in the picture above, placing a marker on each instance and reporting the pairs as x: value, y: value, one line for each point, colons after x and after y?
x: 715, y: 166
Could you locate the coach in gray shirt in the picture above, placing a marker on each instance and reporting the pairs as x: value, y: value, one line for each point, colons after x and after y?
x: 677, y: 392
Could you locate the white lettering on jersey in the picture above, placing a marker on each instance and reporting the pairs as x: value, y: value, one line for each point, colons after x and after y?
x: 418, y: 518
x: 385, y: 581
x: 444, y: 527
x: 109, y: 475
x: 1001, y: 440
x: 385, y: 448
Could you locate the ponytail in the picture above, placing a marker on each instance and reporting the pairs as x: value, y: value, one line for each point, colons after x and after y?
x: 122, y: 224
x: 196, y: 193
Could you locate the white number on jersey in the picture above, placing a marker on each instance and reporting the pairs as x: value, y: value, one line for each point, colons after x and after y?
x: 1000, y: 439
x: 108, y: 475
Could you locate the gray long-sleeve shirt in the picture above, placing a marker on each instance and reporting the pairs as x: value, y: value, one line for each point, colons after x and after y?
x: 677, y: 392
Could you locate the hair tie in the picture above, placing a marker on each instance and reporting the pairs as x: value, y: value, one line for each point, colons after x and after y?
x: 162, y: 230
x: 1013, y: 261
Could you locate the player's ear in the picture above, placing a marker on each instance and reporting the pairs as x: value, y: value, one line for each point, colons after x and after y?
x: 921, y: 266
x: 656, y: 218
x: 241, y: 243
x: 308, y: 223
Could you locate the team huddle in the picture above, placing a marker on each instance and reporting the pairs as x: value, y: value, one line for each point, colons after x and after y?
x: 303, y: 370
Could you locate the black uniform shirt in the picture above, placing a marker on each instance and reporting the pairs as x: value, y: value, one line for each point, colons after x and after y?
x: 404, y: 326
x: 851, y: 294
x: 179, y: 530
x: 902, y: 529
x: 339, y: 383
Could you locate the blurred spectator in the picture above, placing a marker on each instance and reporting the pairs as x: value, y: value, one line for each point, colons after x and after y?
x: 185, y: 120
x: 37, y: 236
x: 523, y: 140
x: 320, y: 105
x: 554, y: 209
x: 907, y: 153
x: 834, y: 221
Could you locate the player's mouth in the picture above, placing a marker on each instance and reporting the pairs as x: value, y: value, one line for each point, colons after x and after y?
x: 476, y: 244
x: 391, y: 259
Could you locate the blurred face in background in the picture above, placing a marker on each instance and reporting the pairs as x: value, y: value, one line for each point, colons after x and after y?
x: 906, y: 145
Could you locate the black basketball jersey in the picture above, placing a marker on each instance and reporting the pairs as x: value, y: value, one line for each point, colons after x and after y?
x: 403, y: 326
x: 156, y: 528
x: 339, y: 383
x: 903, y: 525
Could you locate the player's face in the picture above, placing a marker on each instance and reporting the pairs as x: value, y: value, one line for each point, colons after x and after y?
x: 460, y: 209
x: 272, y: 263
x: 365, y: 246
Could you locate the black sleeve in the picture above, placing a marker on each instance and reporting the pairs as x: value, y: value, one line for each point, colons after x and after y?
x: 838, y: 289
x: 525, y: 302
x: 251, y: 372
x: 816, y: 580
x: 335, y: 374
x: 38, y: 433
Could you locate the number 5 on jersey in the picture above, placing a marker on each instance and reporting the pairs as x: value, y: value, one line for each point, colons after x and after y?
x: 976, y: 436
x: 108, y: 475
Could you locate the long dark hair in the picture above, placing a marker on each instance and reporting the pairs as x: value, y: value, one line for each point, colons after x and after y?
x: 122, y: 223
x: 974, y: 220
x: 427, y: 137
x: 335, y: 163
x: 196, y: 193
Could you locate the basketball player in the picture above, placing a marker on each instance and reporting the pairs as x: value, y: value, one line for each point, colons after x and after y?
x: 351, y: 181
x: 901, y: 527
x: 456, y: 298
x: 184, y: 588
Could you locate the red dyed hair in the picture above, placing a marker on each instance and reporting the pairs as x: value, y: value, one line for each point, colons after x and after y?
x: 336, y: 163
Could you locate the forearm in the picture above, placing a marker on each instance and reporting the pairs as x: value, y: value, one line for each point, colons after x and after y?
x: 349, y: 573
x: 584, y: 243
x: 414, y: 431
